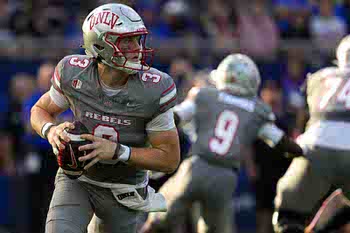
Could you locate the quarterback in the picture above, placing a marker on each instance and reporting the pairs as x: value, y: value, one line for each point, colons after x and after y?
x: 126, y: 105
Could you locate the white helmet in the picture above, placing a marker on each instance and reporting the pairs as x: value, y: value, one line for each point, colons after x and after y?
x: 103, y: 29
x: 238, y: 74
x: 343, y: 53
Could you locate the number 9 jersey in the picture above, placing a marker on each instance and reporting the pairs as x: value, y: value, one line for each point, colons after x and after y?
x: 226, y: 125
x: 122, y: 115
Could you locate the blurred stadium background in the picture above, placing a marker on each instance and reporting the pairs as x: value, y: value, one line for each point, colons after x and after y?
x: 286, y: 38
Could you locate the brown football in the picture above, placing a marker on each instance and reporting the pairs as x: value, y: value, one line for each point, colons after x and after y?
x: 68, y: 158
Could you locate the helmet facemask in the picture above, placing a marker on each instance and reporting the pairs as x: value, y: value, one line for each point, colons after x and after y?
x: 119, y: 60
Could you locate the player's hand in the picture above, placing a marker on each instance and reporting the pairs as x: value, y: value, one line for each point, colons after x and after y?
x: 291, y: 156
x: 56, y: 134
x: 308, y: 230
x: 102, y: 149
x: 146, y: 228
x: 151, y: 226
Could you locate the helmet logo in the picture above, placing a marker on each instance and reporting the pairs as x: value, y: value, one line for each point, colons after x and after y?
x: 105, y: 17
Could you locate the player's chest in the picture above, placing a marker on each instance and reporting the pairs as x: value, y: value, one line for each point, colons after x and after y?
x: 134, y: 102
x: 123, y: 111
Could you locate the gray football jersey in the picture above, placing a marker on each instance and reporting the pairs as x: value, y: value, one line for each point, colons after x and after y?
x: 328, y: 95
x: 122, y: 117
x: 226, y: 125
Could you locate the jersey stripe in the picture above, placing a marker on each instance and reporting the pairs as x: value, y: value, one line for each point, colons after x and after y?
x: 57, y: 74
x: 56, y: 84
x: 56, y: 80
x: 167, y: 97
x: 163, y: 106
x: 164, y: 93
x: 57, y: 88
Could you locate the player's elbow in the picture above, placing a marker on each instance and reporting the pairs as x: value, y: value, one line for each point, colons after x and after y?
x: 33, y: 111
x: 174, y: 166
x: 170, y: 168
x: 172, y: 163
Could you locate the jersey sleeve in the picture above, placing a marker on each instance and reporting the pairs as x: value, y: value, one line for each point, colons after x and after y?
x: 270, y: 134
x: 267, y: 131
x: 57, y: 77
x: 162, y: 122
x: 187, y: 109
x: 168, y: 95
x: 264, y: 112
x: 56, y: 91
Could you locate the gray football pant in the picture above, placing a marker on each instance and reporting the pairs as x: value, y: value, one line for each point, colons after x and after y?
x: 74, y: 203
x: 212, y: 187
x: 308, y: 180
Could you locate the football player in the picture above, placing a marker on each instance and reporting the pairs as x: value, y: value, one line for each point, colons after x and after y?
x: 126, y: 105
x: 334, y: 213
x: 228, y: 119
x: 327, y: 162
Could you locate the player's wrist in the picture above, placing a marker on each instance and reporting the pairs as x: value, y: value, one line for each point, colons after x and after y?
x: 116, y: 151
x: 126, y: 153
x: 122, y: 153
x: 46, y: 129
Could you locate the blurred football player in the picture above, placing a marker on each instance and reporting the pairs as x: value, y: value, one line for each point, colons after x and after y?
x: 334, y: 214
x: 228, y: 119
x: 325, y: 142
x: 126, y: 105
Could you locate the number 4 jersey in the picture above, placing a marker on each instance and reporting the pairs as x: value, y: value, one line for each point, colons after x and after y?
x: 122, y: 117
x: 226, y: 125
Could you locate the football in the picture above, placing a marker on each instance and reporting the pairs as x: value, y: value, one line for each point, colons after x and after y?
x: 68, y: 158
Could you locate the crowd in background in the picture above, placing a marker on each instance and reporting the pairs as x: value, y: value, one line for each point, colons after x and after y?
x: 286, y: 38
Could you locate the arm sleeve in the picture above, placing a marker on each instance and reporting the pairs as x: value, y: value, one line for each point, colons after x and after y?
x: 186, y: 110
x: 56, y: 92
x: 162, y: 122
x: 288, y: 145
x: 270, y: 134
x: 56, y: 78
x: 168, y: 97
x: 275, y: 138
x: 59, y: 99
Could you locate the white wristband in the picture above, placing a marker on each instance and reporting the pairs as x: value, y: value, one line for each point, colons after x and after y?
x: 125, y: 153
x: 45, y: 128
x: 124, y: 156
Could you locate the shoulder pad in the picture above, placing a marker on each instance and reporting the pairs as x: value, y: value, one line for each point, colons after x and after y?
x: 154, y: 76
x: 73, y: 64
x: 77, y: 61
x: 264, y: 111
x: 164, y: 85
x: 68, y: 68
x: 325, y: 72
